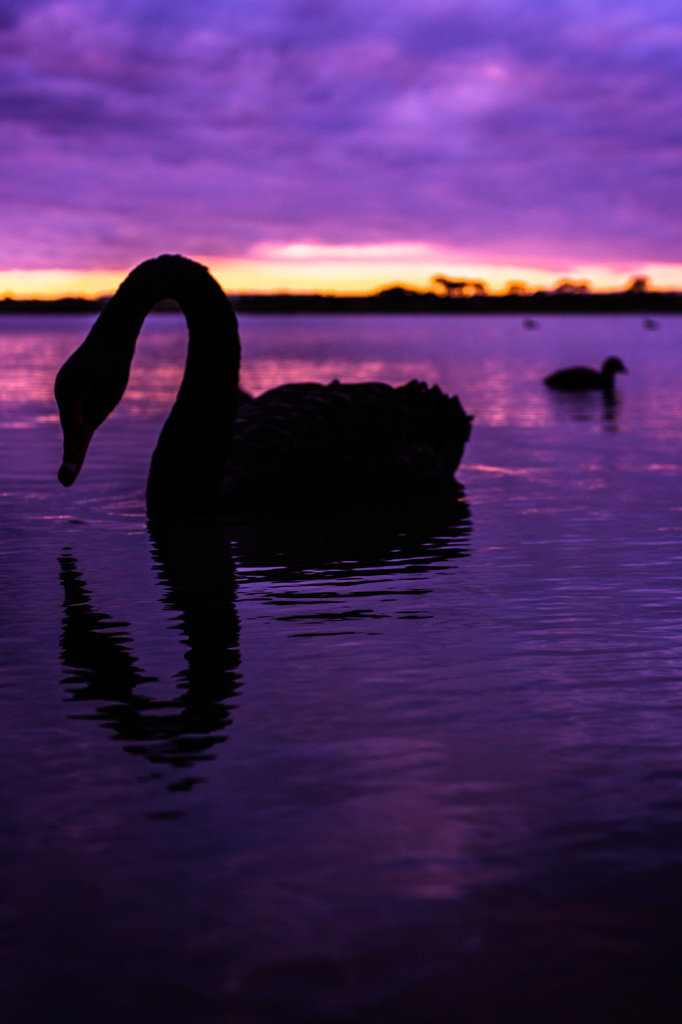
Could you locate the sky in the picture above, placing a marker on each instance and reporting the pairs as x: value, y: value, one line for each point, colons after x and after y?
x: 340, y: 145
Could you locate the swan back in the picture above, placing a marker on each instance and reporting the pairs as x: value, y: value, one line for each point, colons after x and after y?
x: 305, y: 444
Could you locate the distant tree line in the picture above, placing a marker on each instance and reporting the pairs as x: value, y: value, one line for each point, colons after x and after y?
x: 462, y: 296
x: 564, y: 286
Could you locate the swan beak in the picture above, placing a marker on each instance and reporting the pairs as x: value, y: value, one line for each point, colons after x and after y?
x: 67, y: 473
x: 77, y: 435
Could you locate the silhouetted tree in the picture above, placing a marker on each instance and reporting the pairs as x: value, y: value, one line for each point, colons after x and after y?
x: 637, y: 285
x: 565, y: 286
x: 517, y: 288
x: 398, y: 292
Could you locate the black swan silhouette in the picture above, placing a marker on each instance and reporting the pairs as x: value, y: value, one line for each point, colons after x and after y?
x: 583, y: 378
x: 221, y: 452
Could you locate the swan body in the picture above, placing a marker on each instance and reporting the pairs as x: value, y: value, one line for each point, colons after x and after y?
x: 583, y: 378
x: 222, y: 452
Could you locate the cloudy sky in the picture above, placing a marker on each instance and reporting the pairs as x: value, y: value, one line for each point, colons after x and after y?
x: 340, y: 143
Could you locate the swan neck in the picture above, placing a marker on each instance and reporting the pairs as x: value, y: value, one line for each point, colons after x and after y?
x: 188, y: 463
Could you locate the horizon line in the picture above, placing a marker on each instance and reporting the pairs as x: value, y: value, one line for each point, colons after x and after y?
x: 334, y: 271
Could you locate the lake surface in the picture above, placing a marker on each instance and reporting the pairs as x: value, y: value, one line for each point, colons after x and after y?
x: 386, y: 769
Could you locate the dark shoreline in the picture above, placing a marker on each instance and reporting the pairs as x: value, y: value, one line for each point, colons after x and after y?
x: 400, y: 301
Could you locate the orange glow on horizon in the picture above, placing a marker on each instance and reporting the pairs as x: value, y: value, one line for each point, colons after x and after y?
x: 344, y: 270
x: 59, y: 283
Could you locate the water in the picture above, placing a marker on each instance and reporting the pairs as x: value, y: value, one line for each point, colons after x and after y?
x: 388, y: 770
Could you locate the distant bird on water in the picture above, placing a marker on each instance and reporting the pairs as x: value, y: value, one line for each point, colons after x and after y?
x: 222, y: 452
x: 583, y: 378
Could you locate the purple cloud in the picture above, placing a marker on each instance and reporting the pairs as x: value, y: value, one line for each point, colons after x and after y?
x: 512, y: 129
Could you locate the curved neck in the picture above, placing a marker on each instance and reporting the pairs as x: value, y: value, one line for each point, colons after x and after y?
x: 187, y: 467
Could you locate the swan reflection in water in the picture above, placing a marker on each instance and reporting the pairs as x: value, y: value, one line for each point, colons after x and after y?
x: 195, y: 566
x: 197, y: 574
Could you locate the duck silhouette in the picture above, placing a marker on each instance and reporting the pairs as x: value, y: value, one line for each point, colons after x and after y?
x: 221, y: 452
x: 583, y: 378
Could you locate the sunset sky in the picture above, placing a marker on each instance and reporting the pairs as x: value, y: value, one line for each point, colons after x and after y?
x: 340, y: 145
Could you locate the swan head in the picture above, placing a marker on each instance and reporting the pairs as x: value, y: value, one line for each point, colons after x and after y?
x: 612, y: 366
x: 88, y: 386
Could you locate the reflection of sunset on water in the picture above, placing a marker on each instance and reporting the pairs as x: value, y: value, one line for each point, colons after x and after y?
x: 158, y: 367
x: 496, y: 371
x: 27, y: 359
x: 403, y: 714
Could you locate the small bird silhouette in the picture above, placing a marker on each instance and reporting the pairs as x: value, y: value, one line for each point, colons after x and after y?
x: 583, y: 378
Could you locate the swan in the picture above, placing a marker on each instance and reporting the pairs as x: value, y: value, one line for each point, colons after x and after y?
x: 583, y: 378
x: 222, y: 452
